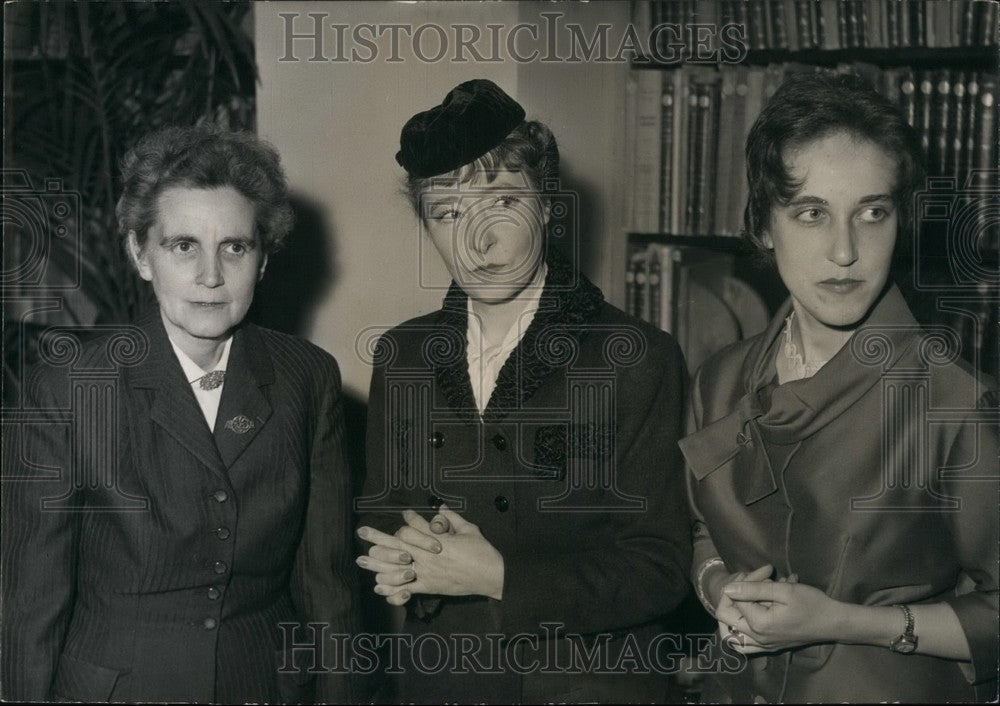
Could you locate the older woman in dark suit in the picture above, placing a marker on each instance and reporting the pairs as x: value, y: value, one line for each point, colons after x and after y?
x: 545, y: 419
x: 843, y: 473
x: 181, y: 502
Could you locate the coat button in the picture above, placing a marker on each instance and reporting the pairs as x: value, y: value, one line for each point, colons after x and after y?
x: 209, y: 623
x: 434, y: 502
x: 436, y: 440
x: 220, y: 496
x: 219, y: 567
x: 222, y: 533
x: 500, y: 442
x: 213, y: 593
x: 501, y: 503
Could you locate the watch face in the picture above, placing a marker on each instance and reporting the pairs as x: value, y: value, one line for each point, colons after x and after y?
x: 903, y: 644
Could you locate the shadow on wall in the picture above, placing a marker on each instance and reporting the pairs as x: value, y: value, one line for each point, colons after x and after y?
x: 582, y: 195
x: 297, y: 276
x: 288, y: 297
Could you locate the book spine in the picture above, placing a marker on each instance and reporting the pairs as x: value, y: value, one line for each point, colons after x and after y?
x: 802, y: 24
x: 986, y: 134
x: 968, y: 32
x: 843, y: 24
x: 918, y: 23
x: 971, y: 124
x: 908, y: 97
x: 641, y: 288
x: 939, y: 127
x: 789, y: 22
x: 696, y: 136
x: 758, y: 25
x: 817, y: 30
x: 892, y: 23
x: 956, y: 140
x: 925, y: 93
x: 647, y: 186
x: 630, y: 298
x: 679, y: 167
x: 736, y: 190
x: 724, y: 161
x: 985, y: 164
x: 631, y: 123
x: 653, y: 283
x: 666, y: 152
x: 866, y: 28
x: 710, y: 151
x: 904, y: 23
x: 986, y: 28
x: 778, y: 32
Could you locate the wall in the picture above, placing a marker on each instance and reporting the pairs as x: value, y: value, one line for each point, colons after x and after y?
x: 356, y: 259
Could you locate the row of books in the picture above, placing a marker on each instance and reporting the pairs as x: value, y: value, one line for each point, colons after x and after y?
x: 686, y: 138
x: 828, y: 24
x: 692, y: 293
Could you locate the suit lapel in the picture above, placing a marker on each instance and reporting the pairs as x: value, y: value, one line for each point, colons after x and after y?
x: 451, y: 371
x: 244, y: 408
x: 568, y: 301
x: 174, y: 408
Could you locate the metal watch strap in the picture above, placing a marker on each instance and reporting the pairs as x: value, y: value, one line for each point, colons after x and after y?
x: 906, y: 643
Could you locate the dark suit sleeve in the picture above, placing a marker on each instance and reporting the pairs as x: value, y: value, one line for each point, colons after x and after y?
x: 975, y: 529
x: 640, y: 571
x: 383, y: 488
x: 324, y: 579
x: 39, y: 546
x: 703, y: 546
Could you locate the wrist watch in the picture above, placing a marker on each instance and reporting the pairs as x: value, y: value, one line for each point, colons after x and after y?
x: 907, y: 642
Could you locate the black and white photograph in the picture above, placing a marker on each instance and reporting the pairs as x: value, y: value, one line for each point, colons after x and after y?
x: 500, y: 352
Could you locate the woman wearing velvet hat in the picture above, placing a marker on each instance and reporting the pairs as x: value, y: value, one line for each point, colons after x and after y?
x: 843, y: 473
x: 525, y: 493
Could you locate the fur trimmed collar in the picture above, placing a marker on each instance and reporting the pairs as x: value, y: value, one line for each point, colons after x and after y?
x: 568, y: 301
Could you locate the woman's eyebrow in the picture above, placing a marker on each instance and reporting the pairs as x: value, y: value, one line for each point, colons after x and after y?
x: 874, y: 198
x: 807, y: 200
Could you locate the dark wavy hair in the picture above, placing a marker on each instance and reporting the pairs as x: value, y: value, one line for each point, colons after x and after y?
x: 204, y: 157
x: 810, y: 106
x: 530, y: 148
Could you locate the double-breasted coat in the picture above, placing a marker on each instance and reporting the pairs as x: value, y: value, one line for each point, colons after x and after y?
x: 148, y: 558
x: 572, y: 472
x: 875, y: 481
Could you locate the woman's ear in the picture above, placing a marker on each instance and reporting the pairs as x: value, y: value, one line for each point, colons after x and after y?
x: 138, y: 256
x: 765, y: 238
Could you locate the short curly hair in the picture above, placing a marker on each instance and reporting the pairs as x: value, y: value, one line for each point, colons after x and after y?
x: 808, y: 107
x: 530, y: 147
x: 204, y: 157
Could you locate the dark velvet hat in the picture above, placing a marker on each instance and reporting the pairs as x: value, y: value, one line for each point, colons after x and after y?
x: 474, y: 118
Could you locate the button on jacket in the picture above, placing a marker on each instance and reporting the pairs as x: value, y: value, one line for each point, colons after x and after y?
x: 157, y: 561
x: 572, y: 472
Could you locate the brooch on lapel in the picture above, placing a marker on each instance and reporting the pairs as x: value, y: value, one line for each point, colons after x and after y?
x: 239, y: 424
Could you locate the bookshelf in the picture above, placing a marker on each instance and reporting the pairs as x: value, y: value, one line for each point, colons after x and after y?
x: 686, y: 128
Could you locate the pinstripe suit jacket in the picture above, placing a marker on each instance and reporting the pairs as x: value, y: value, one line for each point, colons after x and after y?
x: 146, y: 557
